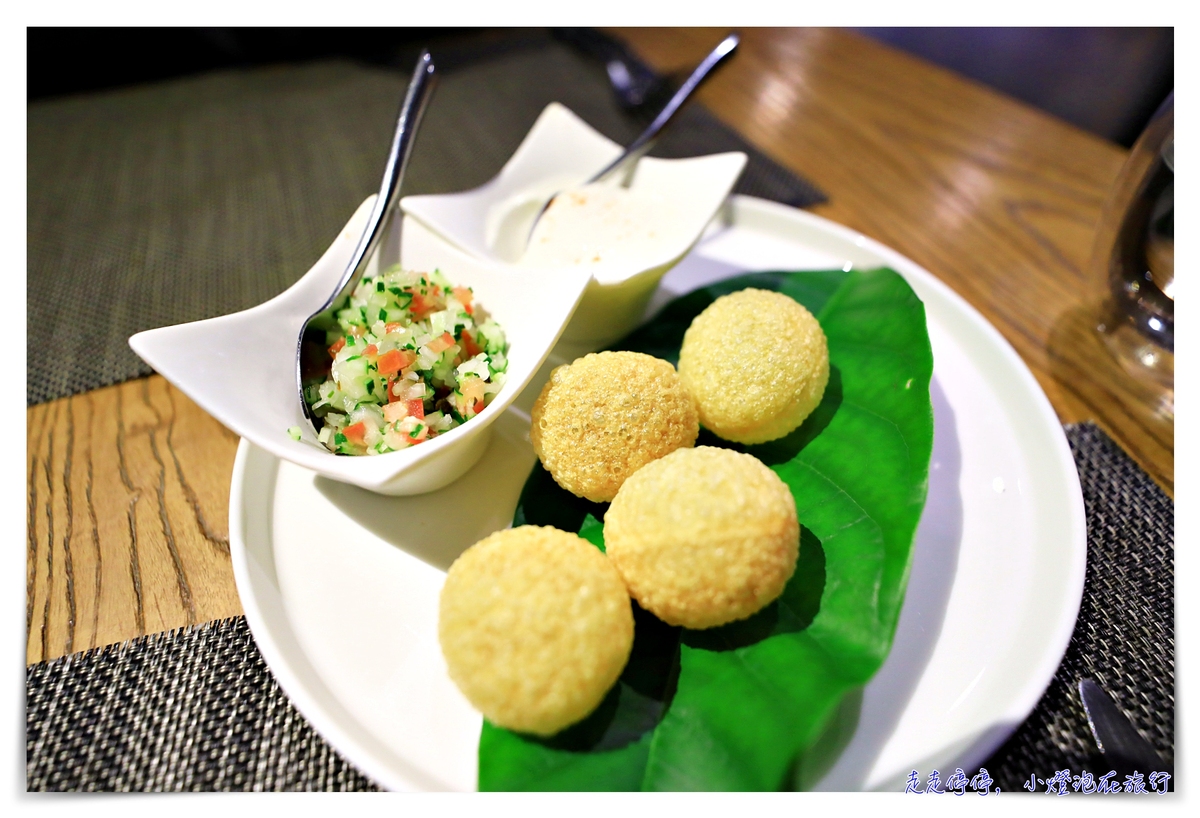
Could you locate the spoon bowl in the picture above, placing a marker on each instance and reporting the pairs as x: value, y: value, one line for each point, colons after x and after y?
x: 240, y: 368
x: 622, y: 166
x: 491, y: 222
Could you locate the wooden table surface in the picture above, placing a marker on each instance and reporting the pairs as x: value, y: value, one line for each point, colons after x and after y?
x: 128, y: 485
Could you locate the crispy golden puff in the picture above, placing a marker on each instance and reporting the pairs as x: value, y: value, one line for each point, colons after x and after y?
x: 604, y: 416
x: 704, y: 536
x: 536, y: 626
x: 756, y: 363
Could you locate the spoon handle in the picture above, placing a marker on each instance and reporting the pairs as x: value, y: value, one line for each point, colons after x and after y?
x: 643, y: 143
x: 412, y: 110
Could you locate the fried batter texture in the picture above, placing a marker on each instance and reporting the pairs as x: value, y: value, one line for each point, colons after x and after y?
x: 536, y: 626
x: 704, y: 536
x: 756, y: 363
x: 607, y: 414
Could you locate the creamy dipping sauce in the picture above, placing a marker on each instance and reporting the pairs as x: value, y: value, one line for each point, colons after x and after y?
x: 615, y: 231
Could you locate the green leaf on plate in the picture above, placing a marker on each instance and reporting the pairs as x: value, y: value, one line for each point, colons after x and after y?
x: 592, y: 530
x: 737, y: 707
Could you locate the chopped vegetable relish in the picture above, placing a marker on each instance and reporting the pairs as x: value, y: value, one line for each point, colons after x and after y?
x: 412, y: 357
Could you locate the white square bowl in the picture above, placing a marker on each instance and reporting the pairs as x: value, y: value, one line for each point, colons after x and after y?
x: 241, y: 368
x: 492, y: 222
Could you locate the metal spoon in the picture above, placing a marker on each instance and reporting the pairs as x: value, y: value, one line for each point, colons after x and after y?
x: 642, y: 145
x: 308, y: 347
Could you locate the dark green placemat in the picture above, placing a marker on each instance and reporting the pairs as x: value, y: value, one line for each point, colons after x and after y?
x: 197, y: 709
x: 196, y: 197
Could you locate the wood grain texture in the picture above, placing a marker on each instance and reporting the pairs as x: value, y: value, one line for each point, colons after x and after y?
x: 128, y: 485
x: 127, y: 518
x: 998, y: 199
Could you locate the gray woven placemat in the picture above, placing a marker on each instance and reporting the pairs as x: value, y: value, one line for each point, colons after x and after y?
x: 189, y: 710
x: 197, y: 709
x: 196, y: 197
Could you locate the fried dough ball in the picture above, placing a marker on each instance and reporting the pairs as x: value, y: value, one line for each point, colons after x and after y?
x: 604, y: 416
x: 756, y: 363
x: 536, y: 626
x: 704, y: 536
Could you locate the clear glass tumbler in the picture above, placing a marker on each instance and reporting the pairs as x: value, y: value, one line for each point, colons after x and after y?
x: 1133, y: 261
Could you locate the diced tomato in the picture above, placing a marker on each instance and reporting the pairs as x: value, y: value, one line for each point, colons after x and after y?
x: 478, y: 406
x: 416, y: 408
x: 441, y: 343
x: 356, y: 434
x: 395, y: 411
x: 469, y: 346
x: 391, y: 396
x: 337, y: 347
x: 464, y: 296
x: 392, y: 326
x: 421, y: 306
x: 371, y: 350
x: 394, y: 360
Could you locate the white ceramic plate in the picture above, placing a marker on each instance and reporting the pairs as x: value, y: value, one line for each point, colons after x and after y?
x: 340, y: 586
